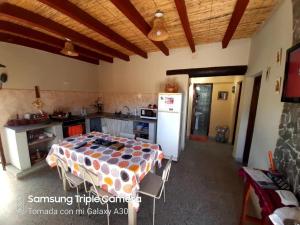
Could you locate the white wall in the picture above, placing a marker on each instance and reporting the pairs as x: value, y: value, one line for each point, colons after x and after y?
x: 28, y: 67
x: 149, y: 75
x: 276, y: 34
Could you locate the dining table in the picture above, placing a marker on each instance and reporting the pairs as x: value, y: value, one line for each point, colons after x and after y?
x: 118, y: 172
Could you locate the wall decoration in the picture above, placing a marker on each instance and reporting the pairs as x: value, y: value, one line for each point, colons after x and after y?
x: 268, y: 73
x: 279, y: 56
x: 278, y: 85
x: 222, y: 95
x: 291, y: 90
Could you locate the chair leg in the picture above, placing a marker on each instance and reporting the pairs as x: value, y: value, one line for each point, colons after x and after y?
x: 78, y: 195
x: 107, y: 213
x: 153, y: 211
x: 164, y: 195
x: 89, y: 205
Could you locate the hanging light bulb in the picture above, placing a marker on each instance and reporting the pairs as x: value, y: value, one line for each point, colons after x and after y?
x: 158, y: 31
x: 69, y: 49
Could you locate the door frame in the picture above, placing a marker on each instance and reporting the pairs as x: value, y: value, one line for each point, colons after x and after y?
x: 193, y: 107
x: 240, y: 84
x: 252, y: 117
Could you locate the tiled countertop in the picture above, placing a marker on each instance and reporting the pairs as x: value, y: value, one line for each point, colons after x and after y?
x: 19, y: 129
x: 119, y: 117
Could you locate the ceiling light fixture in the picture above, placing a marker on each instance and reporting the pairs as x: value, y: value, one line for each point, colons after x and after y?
x: 69, y: 49
x: 158, y: 31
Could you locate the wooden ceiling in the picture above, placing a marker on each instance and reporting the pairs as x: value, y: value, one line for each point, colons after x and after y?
x: 105, y: 29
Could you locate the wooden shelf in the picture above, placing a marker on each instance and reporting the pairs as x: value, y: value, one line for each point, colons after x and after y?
x: 40, y: 141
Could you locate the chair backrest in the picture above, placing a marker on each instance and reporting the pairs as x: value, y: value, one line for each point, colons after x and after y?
x: 165, y: 176
x: 62, y: 167
x: 166, y: 172
x: 88, y: 177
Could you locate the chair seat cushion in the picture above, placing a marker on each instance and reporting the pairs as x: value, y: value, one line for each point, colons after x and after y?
x: 74, y: 179
x: 151, y: 185
x: 100, y: 192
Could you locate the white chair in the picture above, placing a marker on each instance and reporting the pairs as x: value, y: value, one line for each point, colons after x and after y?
x: 91, y: 178
x: 153, y: 185
x: 74, y: 181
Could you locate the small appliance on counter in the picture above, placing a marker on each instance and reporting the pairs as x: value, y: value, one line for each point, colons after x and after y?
x: 148, y: 113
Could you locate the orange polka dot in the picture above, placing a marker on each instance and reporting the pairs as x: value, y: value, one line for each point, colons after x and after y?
x: 123, y: 164
x: 134, y: 167
x: 127, y: 188
x: 96, y: 164
x: 148, y: 167
x: 88, y: 152
x: 67, y: 153
x: 108, y: 181
x: 104, y: 187
x: 76, y: 166
x: 96, y: 155
x: 116, y: 154
x: 133, y: 181
x: 136, y: 153
x: 161, y: 156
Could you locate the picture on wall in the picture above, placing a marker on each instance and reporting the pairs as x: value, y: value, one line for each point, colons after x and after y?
x: 222, y: 95
x: 291, y: 90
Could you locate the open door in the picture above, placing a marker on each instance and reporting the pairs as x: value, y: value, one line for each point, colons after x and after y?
x: 201, y: 110
x: 251, y: 121
x: 240, y: 85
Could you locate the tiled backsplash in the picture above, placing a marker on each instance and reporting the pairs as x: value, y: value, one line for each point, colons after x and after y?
x: 116, y: 101
x: 13, y: 102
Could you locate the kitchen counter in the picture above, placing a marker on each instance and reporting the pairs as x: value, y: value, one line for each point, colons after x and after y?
x: 23, y: 128
x: 120, y: 117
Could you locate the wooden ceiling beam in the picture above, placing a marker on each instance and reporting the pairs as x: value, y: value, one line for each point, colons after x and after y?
x: 181, y: 8
x: 47, y: 39
x: 26, y: 16
x: 74, y: 12
x: 10, y: 38
x: 236, y: 17
x: 210, y: 71
x: 128, y: 9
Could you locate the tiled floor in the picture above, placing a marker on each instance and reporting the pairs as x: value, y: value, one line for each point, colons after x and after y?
x: 204, y: 189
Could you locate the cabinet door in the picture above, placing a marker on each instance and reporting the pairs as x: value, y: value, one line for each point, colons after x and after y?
x: 95, y: 124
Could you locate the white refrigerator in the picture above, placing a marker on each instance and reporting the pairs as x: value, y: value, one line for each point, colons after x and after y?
x: 169, y: 124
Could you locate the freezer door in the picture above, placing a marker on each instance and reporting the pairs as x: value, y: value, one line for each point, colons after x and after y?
x: 168, y: 133
x: 169, y: 102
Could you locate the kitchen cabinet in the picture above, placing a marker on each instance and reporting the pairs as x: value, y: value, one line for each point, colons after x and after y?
x: 115, y: 126
x: 93, y: 124
x: 27, y: 146
x: 126, y: 126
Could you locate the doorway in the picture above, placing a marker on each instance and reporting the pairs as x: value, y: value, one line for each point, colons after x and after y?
x: 251, y: 120
x: 240, y: 87
x: 201, y: 109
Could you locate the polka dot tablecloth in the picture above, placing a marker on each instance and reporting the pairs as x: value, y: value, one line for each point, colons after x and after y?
x: 119, y: 172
